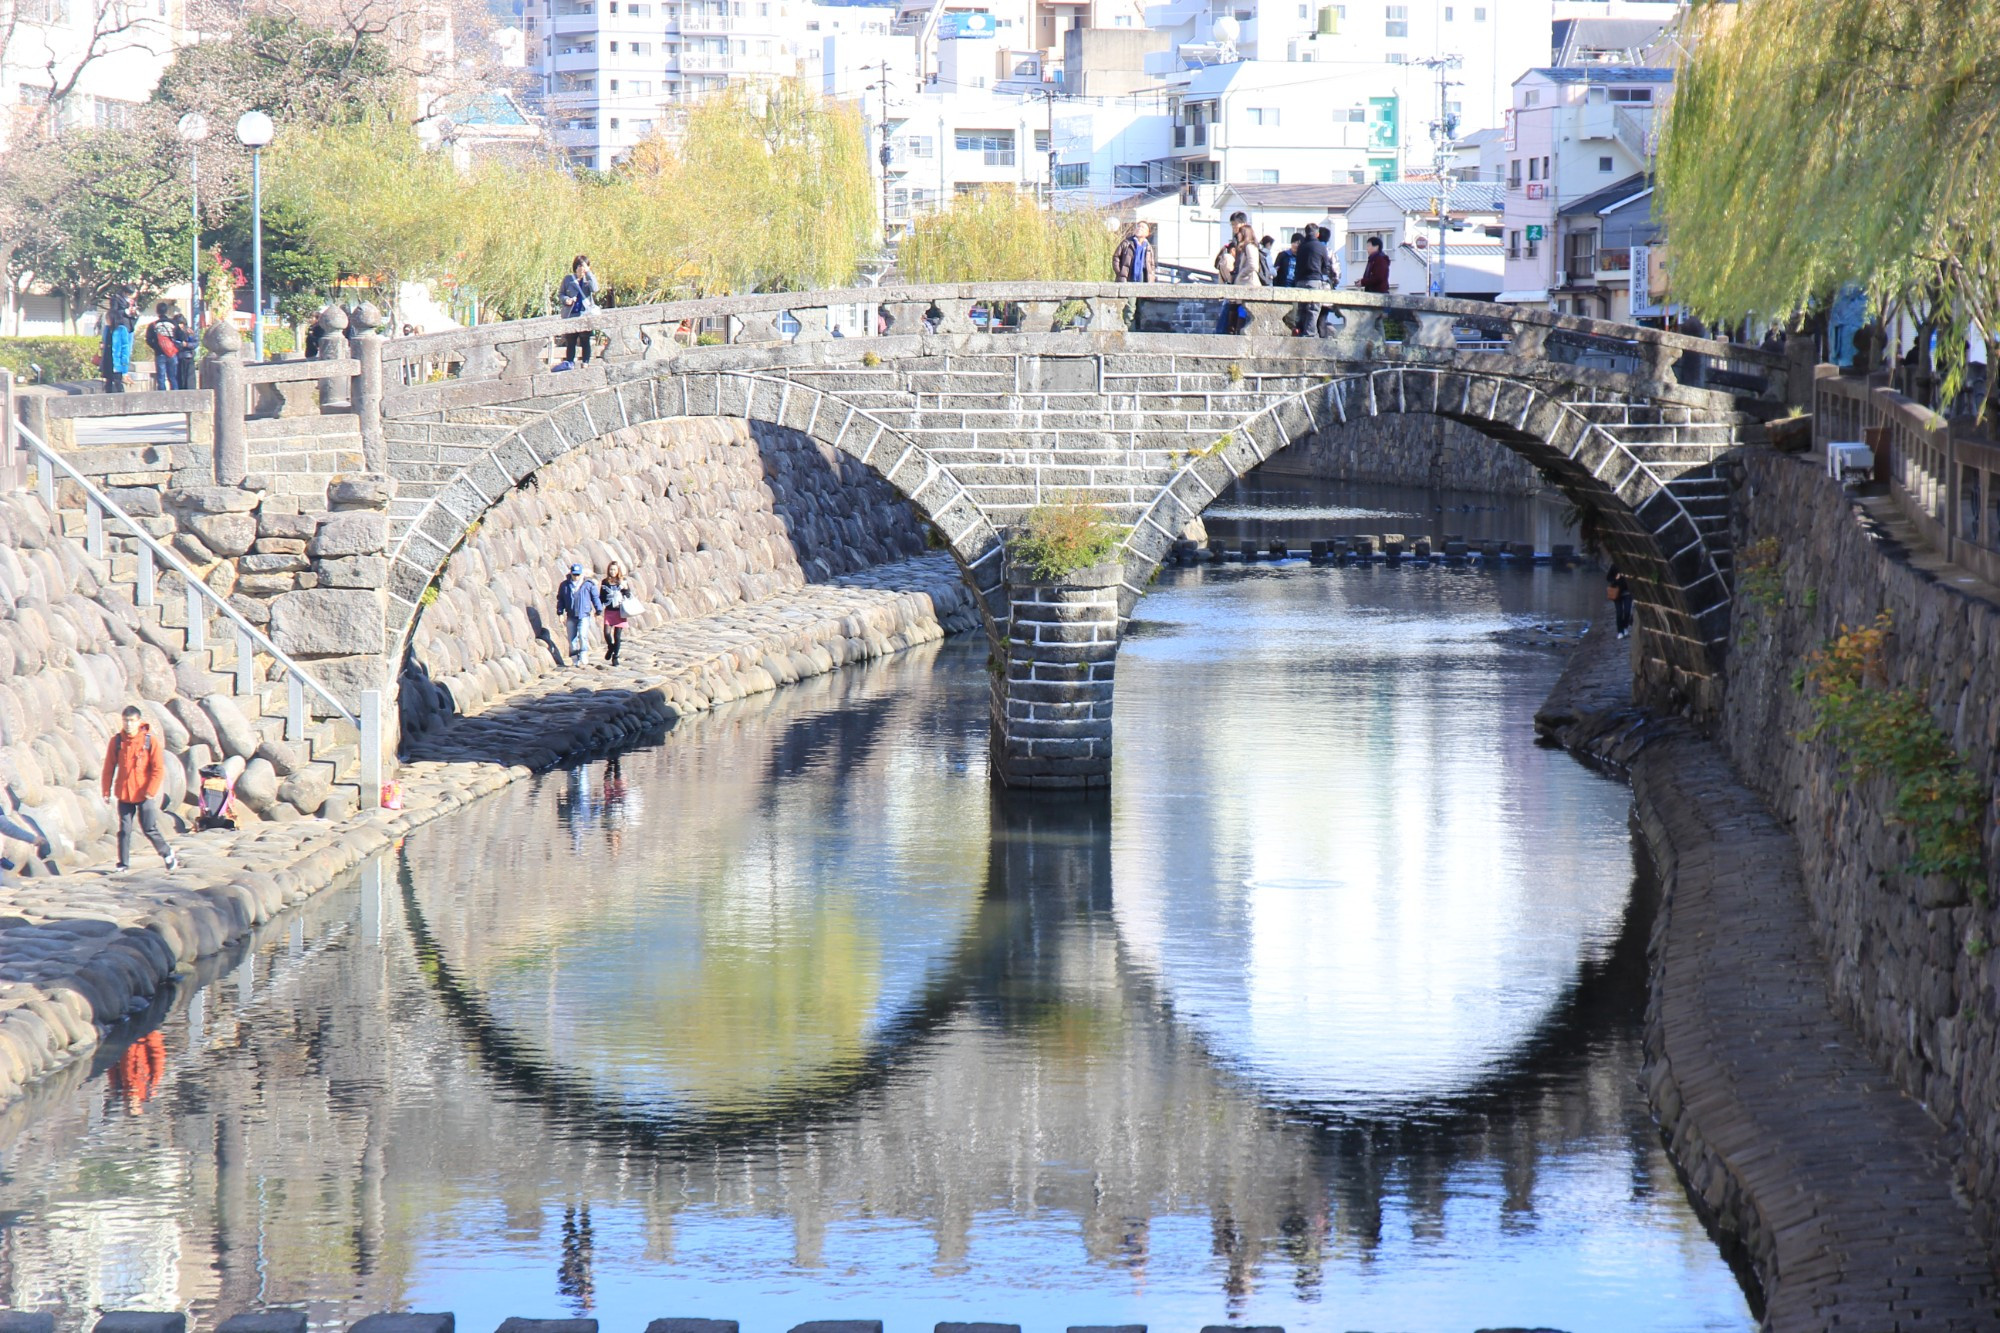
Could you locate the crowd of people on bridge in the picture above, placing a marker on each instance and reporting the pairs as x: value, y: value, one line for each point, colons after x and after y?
x: 1245, y: 260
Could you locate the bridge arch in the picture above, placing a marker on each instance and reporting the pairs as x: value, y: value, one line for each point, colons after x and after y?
x: 1650, y: 492
x: 428, y: 539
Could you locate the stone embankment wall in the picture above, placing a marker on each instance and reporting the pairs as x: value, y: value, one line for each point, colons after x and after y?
x: 1910, y: 959
x: 1410, y: 451
x: 705, y: 514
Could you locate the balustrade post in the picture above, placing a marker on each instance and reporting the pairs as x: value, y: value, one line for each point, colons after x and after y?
x: 367, y: 388
x: 814, y: 324
x: 225, y: 368
x: 1530, y: 342
x: 13, y: 476
x: 1360, y: 336
x: 1434, y: 332
x: 1660, y: 358
x: 335, y: 391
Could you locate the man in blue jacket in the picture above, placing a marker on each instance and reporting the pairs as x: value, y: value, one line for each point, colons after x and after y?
x: 576, y: 602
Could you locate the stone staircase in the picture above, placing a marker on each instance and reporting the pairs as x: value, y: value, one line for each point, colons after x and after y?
x: 317, y: 774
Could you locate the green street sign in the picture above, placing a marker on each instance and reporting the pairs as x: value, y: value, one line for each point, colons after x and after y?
x: 1535, y: 231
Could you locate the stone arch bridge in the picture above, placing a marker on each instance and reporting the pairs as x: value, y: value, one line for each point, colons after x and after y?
x: 980, y: 401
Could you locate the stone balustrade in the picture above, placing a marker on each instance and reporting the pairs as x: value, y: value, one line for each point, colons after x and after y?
x: 1409, y: 328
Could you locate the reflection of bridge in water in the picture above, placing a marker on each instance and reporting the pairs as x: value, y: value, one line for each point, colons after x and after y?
x: 355, y: 1099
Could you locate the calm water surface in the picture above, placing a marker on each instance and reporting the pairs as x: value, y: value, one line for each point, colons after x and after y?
x: 1328, y: 1018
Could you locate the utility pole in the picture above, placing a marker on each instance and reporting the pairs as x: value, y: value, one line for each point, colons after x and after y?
x: 1443, y: 131
x: 885, y: 154
x: 1048, y: 97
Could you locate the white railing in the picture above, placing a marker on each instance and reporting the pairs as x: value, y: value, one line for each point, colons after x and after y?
x: 366, y: 720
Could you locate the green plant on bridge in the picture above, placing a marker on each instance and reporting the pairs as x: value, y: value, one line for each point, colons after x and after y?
x: 1882, y: 731
x: 1061, y: 536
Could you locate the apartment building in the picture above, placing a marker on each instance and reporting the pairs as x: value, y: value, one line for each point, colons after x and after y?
x: 610, y: 69
x: 1492, y: 42
x: 100, y: 60
x: 1570, y: 133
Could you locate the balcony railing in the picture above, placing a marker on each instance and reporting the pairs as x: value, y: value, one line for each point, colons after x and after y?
x: 698, y: 22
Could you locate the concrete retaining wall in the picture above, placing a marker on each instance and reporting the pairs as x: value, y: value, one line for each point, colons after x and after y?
x: 704, y: 514
x: 1410, y: 451
x: 1900, y: 965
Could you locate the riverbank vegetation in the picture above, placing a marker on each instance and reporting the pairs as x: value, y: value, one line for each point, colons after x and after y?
x: 1816, y: 143
x: 1886, y: 731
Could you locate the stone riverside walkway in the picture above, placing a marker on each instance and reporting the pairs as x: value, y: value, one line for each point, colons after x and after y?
x: 81, y: 951
x: 1795, y: 1142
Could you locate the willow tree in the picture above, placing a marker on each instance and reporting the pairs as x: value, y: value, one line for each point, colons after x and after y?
x: 1813, y: 143
x: 1004, y: 235
x: 770, y: 193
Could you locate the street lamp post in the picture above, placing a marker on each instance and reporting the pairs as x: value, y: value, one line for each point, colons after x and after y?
x: 254, y: 130
x: 193, y: 129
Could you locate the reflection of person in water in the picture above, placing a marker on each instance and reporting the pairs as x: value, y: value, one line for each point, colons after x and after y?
x: 614, y: 807
x: 139, y: 1070
x: 573, y: 1274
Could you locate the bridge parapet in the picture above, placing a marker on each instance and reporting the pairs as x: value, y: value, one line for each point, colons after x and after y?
x: 1408, y: 328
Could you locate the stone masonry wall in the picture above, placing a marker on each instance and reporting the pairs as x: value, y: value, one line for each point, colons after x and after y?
x: 704, y: 513
x: 1908, y: 957
x: 1410, y: 451
x: 74, y: 651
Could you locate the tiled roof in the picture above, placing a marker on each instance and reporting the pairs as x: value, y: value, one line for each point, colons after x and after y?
x: 1335, y: 197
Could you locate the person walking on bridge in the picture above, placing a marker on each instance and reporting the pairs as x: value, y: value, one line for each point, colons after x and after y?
x: 1375, y: 278
x: 577, y: 601
x: 579, y: 298
x: 1314, y: 270
x: 133, y: 772
x: 1135, y: 260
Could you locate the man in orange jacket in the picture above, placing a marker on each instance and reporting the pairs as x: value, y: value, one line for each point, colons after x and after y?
x: 133, y: 770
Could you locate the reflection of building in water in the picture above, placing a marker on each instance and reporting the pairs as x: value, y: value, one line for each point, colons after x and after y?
x: 347, y: 1109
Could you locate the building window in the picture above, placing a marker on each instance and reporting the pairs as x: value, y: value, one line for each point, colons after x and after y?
x: 641, y: 48
x: 1264, y: 176
x: 1546, y: 174
x: 920, y: 145
x: 1397, y: 23
x: 1128, y: 177
x: 1263, y: 115
x: 1357, y: 177
x: 1514, y: 243
x: 1531, y: 98
x: 1632, y: 95
x: 1447, y: 14
x: 1533, y: 247
x: 1395, y: 58
x: 1302, y: 12
x: 642, y: 127
x: 1072, y: 176
x: 1604, y: 164
x: 1478, y: 14
x: 997, y: 146
x: 614, y: 122
x: 1514, y: 174
x: 1534, y: 169
x: 639, y: 87
x: 1354, y: 115
x: 1042, y: 141
x: 614, y: 85
x: 614, y: 48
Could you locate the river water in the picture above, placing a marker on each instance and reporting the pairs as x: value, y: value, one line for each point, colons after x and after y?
x: 1327, y: 1017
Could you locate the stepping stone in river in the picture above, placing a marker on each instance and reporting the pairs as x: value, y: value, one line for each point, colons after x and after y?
x: 265, y: 1321
x: 978, y: 1328
x: 141, y: 1321
x: 516, y: 1324
x: 839, y: 1326
x: 21, y: 1321
x: 692, y: 1326
x: 405, y: 1323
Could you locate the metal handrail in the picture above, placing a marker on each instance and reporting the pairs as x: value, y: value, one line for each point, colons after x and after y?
x: 197, y: 589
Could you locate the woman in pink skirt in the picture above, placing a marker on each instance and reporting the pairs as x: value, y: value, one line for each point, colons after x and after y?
x: 618, y: 604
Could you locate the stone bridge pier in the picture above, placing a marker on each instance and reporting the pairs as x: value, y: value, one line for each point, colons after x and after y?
x: 1052, y: 682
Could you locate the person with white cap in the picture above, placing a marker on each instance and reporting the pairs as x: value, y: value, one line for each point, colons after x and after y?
x: 577, y: 602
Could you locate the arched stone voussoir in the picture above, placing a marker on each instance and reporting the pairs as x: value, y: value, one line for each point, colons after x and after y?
x: 429, y: 537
